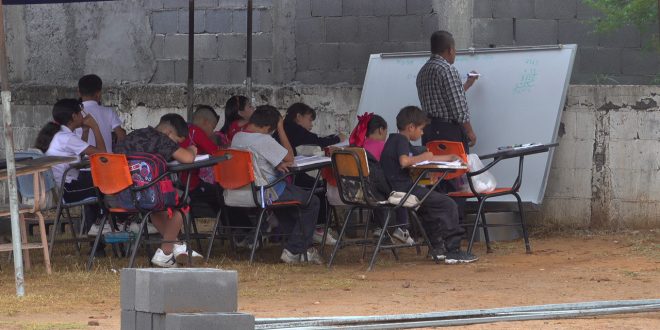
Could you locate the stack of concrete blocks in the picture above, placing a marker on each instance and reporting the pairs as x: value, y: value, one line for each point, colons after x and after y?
x: 184, y: 298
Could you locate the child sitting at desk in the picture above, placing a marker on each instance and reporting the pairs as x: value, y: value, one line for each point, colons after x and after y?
x: 272, y: 159
x: 238, y: 110
x: 164, y: 140
x: 438, y: 212
x: 57, y: 138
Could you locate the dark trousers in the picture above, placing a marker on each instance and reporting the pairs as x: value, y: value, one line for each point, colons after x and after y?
x: 306, y: 181
x: 207, y: 195
x: 296, y: 220
x: 439, y: 216
x: 80, y: 189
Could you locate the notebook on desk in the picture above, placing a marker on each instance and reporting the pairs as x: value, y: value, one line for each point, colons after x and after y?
x: 454, y: 164
x: 300, y: 161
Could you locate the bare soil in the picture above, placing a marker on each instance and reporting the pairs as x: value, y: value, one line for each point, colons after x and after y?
x: 563, y: 268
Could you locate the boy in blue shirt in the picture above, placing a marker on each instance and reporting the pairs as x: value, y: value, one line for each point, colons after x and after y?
x: 439, y: 213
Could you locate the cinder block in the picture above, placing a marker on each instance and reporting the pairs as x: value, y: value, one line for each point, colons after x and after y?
x: 310, y: 77
x: 303, y: 9
x: 555, y: 9
x: 128, y: 319
x: 359, y: 7
x: 175, y: 46
x: 180, y: 71
x: 143, y: 320
x: 206, y: 3
x: 153, y: 4
x: 599, y: 60
x: 571, y: 31
x: 203, y: 321
x: 206, y: 46
x: 263, y: 21
x: 372, y: 29
x: 405, y: 28
x: 262, y: 46
x: 513, y: 9
x: 218, y: 21
x: 627, y: 36
x: 353, y: 55
x: 239, y: 21
x: 324, y: 56
x: 213, y: 72
x: 232, y: 46
x: 185, y: 290
x: 341, y: 29
x: 158, y: 321
x: 157, y: 45
x: 326, y: 8
x: 339, y: 76
x: 127, y: 289
x: 390, y: 7
x: 429, y: 25
x: 164, y: 72
x: 585, y: 11
x: 199, y: 20
x: 310, y: 30
x: 639, y: 61
x: 170, y: 4
x: 262, y: 72
x: 536, y: 32
x: 236, y: 72
x: 482, y: 9
x: 415, y: 46
x: 302, y: 57
x: 164, y: 22
x: 492, y: 31
x: 419, y: 7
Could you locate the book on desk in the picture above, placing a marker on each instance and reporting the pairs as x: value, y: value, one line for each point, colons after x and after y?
x: 300, y: 161
x: 455, y: 164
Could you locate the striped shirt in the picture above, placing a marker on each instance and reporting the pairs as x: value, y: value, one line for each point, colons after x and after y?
x: 440, y: 91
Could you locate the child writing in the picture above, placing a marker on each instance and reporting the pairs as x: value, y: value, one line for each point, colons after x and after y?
x: 164, y: 140
x: 58, y: 139
x: 438, y: 212
x: 89, y: 89
x: 272, y: 159
x: 238, y: 110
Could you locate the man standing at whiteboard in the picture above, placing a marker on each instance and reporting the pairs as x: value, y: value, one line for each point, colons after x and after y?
x: 442, y: 94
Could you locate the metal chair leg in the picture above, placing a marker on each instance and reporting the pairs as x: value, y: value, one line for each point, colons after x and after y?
x: 380, y: 240
x: 366, y: 232
x: 214, y: 232
x: 484, y: 225
x: 425, y: 236
x: 138, y: 238
x: 187, y: 225
x: 326, y: 228
x: 477, y: 220
x: 341, y: 236
x: 256, y: 235
x: 528, y: 248
x: 196, y: 233
x: 53, y: 230
x: 92, y: 252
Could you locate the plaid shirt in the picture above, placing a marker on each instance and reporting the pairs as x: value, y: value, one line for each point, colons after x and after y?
x: 440, y: 91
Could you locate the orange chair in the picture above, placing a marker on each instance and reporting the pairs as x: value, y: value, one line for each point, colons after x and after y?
x: 452, y: 147
x: 235, y: 173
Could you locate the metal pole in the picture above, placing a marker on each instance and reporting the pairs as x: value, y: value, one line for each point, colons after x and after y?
x: 248, y: 62
x: 191, y: 57
x: 11, y: 165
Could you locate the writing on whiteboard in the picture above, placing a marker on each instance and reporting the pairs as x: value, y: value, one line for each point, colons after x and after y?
x: 528, y: 78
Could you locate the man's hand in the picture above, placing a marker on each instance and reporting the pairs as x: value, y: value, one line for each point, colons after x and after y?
x: 473, y: 139
x: 471, y: 79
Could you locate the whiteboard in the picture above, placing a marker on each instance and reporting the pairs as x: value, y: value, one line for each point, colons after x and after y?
x: 518, y: 99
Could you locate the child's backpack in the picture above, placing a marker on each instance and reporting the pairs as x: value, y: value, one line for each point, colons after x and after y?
x: 144, y: 168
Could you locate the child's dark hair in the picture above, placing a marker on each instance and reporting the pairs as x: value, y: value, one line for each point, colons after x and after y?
x: 89, y: 84
x: 235, y: 104
x: 411, y: 115
x: 375, y: 123
x: 265, y: 116
x: 177, y: 122
x: 62, y: 113
x: 299, y: 109
x: 206, y: 111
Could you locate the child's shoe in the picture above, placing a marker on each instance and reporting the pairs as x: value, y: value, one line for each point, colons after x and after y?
x: 314, y: 257
x: 161, y: 259
x: 403, y: 236
x: 290, y: 258
x: 318, y: 237
x: 459, y: 257
x: 180, y: 252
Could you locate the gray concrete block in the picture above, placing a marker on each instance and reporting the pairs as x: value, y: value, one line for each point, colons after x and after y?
x: 170, y: 4
x: 536, y: 32
x: 206, y: 46
x: 373, y: 29
x: 627, y: 36
x: 218, y: 21
x: 185, y: 290
x: 175, y: 46
x: 143, y: 320
x: 339, y: 76
x: 310, y: 30
x: 206, y: 3
x: 128, y: 319
x: 359, y: 7
x: 303, y: 9
x: 353, y: 55
x: 233, y: 4
x: 127, y: 289
x: 585, y: 11
x: 324, y: 56
x: 599, y: 60
x: 555, y: 9
x: 642, y: 62
x: 239, y: 21
x: 571, y: 31
x: 263, y: 21
x: 237, y: 72
x: 262, y: 46
x: 513, y: 9
x: 482, y: 9
x: 416, y: 46
x: 311, y: 77
x: 262, y: 72
x: 419, y: 7
x: 158, y: 321
x: 405, y: 28
x: 430, y: 24
x: 203, y: 321
x: 492, y: 31
x: 213, y: 72
x: 164, y: 72
x: 200, y: 16
x: 326, y: 8
x: 390, y: 7
x: 232, y: 46
x: 341, y: 29
x: 157, y: 45
x: 153, y: 4
x: 180, y: 71
x: 302, y: 57
x: 163, y: 22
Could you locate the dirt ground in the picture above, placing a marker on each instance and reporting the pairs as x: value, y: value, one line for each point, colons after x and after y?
x: 563, y: 268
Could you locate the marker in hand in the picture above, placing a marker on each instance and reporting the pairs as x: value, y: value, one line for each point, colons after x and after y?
x: 473, y: 74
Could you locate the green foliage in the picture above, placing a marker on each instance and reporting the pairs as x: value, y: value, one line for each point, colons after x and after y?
x: 644, y: 14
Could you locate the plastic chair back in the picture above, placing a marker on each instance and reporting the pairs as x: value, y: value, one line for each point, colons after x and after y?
x: 110, y: 172
x: 442, y: 148
x: 236, y: 172
x: 352, y: 173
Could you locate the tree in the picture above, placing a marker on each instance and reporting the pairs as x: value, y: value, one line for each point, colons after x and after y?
x: 644, y: 14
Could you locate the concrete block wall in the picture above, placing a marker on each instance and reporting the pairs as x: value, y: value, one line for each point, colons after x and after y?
x: 618, y: 57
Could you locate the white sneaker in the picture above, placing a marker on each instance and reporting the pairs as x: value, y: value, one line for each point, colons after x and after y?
x: 135, y: 227
x: 318, y: 237
x: 161, y: 259
x: 314, y: 257
x: 95, y: 229
x: 290, y: 258
x: 403, y: 236
x: 377, y: 232
x: 181, y: 254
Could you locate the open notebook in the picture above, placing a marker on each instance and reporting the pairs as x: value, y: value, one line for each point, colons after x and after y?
x: 454, y: 164
x: 309, y: 160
